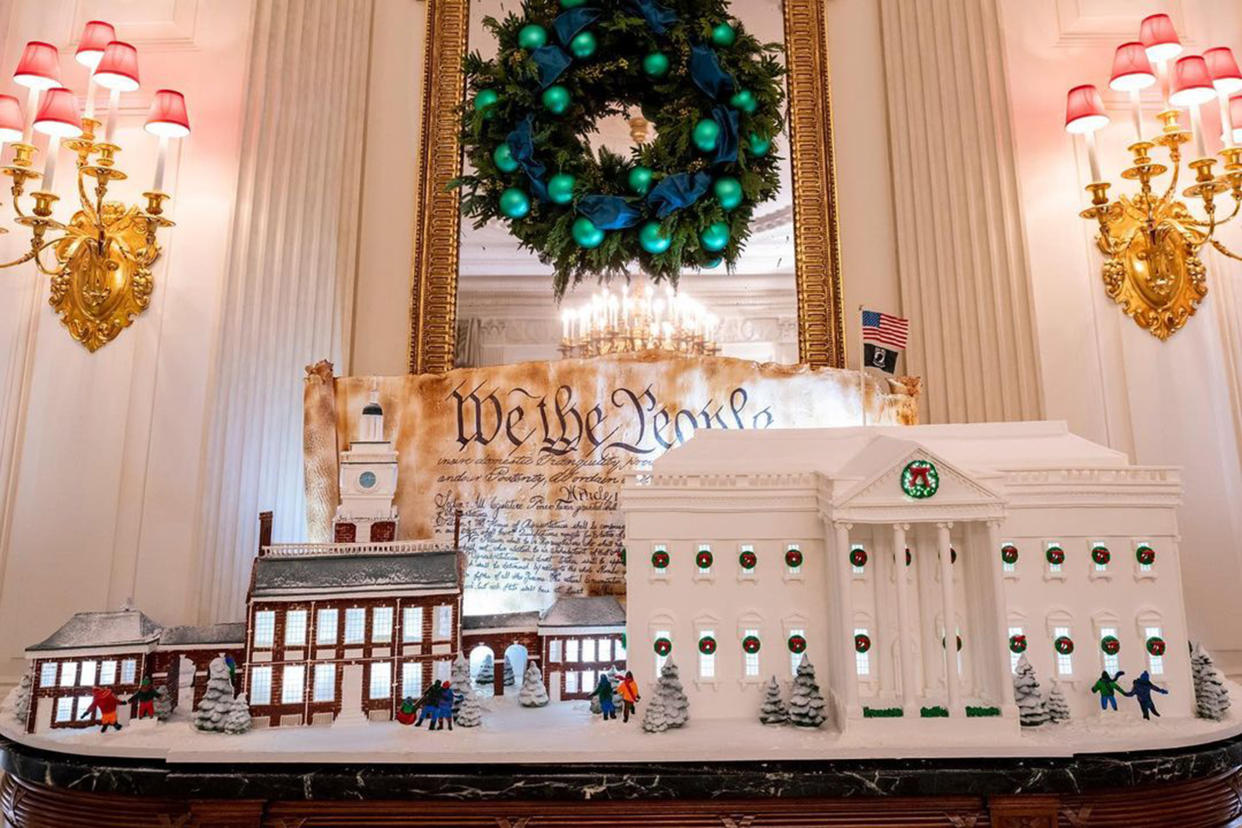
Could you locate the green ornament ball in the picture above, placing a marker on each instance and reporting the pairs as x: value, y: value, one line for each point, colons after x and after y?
x: 714, y: 237
x: 744, y: 100
x: 652, y: 239
x: 486, y: 100
x: 711, y: 263
x: 514, y: 203
x: 723, y: 34
x: 706, y: 134
x: 656, y: 64
x: 561, y: 188
x: 503, y: 156
x: 556, y: 99
x: 586, y: 234
x: 728, y: 192
x: 532, y: 36
x: 583, y: 45
x: 571, y: 4
x: 640, y: 180
x: 758, y: 145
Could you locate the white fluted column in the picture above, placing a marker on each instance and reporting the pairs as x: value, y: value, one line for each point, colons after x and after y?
x: 962, y: 264
x: 849, y: 675
x: 951, y: 679
x: 288, y: 292
x: 998, y: 664
x: 904, y: 651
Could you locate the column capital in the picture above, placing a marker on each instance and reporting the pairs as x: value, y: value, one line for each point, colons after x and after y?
x: 841, y: 524
x: 944, y: 524
x: 905, y: 527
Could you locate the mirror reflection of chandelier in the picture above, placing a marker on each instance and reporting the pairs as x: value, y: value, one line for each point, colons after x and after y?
x: 646, y: 320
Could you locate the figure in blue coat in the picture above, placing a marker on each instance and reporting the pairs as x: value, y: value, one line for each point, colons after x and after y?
x: 445, y: 713
x: 1141, y: 690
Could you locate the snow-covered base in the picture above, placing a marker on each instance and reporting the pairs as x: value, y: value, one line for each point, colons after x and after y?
x: 567, y: 732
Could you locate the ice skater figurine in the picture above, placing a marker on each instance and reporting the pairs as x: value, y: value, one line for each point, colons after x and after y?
x: 430, y: 702
x: 604, y: 690
x: 1108, y: 688
x: 628, y: 689
x: 1141, y: 689
x: 145, y: 696
x: 445, y: 713
x: 105, y: 701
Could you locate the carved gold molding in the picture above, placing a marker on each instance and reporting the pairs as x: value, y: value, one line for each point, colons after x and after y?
x: 817, y: 251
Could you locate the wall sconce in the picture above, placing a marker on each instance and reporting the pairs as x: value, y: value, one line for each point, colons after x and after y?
x: 101, y: 274
x: 1151, y: 240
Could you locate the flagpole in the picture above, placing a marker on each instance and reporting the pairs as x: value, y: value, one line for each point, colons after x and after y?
x: 862, y: 376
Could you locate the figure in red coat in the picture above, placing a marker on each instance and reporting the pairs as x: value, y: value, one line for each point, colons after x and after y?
x: 105, y: 701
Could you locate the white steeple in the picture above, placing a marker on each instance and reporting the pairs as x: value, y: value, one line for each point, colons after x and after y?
x: 371, y: 424
x: 368, y: 480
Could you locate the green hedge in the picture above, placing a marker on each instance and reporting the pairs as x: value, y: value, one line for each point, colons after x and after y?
x: 882, y: 712
x: 934, y: 712
x: 972, y: 711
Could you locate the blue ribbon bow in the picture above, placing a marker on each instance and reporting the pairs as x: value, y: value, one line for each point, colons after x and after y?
x: 678, y: 191
x: 568, y: 24
x: 726, y: 144
x: 608, y: 212
x: 707, y: 75
x: 522, y: 145
x: 551, y: 60
x: 658, y: 18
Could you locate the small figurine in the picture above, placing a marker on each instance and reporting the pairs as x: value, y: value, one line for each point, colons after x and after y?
x: 604, y: 690
x: 408, y: 712
x: 430, y: 702
x: 1108, y: 688
x: 628, y: 688
x: 445, y: 712
x: 105, y: 701
x: 1141, y: 689
x: 145, y: 696
x: 232, y: 665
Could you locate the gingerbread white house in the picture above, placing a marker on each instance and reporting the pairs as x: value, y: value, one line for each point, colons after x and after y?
x: 853, y: 546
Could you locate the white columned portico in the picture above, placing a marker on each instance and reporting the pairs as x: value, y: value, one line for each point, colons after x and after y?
x: 951, y: 678
x: 841, y: 533
x: 904, y: 650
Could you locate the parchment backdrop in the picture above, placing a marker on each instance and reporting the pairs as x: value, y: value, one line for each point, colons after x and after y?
x: 535, y: 453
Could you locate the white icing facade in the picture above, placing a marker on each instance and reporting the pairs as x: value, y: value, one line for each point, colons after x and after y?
x: 368, y: 482
x: 827, y: 493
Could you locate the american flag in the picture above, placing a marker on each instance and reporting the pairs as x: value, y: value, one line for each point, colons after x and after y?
x: 885, y: 330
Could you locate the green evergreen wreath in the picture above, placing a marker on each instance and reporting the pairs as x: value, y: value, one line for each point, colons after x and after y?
x: 682, y: 200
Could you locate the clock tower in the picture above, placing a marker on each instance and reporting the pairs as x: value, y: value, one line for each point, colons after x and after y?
x: 368, y: 482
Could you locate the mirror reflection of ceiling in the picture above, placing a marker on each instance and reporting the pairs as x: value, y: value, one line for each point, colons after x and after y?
x: 491, y: 251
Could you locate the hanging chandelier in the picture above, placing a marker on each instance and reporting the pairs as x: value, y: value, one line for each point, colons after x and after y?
x: 625, y: 322
x: 1151, y: 239
x: 100, y: 261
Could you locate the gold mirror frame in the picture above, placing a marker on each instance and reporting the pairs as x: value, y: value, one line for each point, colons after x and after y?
x: 817, y: 244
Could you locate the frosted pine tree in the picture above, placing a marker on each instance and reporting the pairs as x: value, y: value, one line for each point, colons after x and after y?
x: 673, y: 695
x: 509, y: 676
x: 459, y: 681
x: 487, y: 671
x: 533, y: 693
x: 21, y: 705
x: 218, y: 699
x: 655, y: 719
x: 238, y: 719
x: 806, y: 703
x: 1058, y: 708
x: 470, y: 714
x: 1032, y: 712
x: 774, y: 710
x: 163, y: 704
x: 1211, y: 695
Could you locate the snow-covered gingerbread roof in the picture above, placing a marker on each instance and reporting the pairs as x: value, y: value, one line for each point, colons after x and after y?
x: 185, y: 636
x: 584, y: 611
x: 100, y: 630
x: 352, y: 574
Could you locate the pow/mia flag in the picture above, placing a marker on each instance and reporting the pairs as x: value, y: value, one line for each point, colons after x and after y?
x: 882, y: 358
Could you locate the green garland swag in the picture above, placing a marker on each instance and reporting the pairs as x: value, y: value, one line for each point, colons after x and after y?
x: 526, y: 127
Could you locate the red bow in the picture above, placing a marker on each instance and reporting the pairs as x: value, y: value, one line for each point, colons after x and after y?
x: 919, y: 473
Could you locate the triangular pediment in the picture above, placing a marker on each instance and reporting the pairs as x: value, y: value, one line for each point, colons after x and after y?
x: 873, y: 481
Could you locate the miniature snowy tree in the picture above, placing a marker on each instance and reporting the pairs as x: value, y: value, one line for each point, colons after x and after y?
x: 163, y: 703
x: 655, y: 719
x: 471, y: 712
x: 1031, y: 709
x: 533, y: 693
x: 806, y: 703
x: 238, y: 719
x: 509, y: 675
x: 218, y: 699
x: 459, y: 681
x: 21, y: 705
x: 1211, y: 695
x: 1058, y: 708
x: 774, y: 710
x: 672, y: 695
x: 487, y: 671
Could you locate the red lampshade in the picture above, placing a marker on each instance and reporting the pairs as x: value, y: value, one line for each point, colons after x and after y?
x: 118, y: 68
x: 1192, y: 83
x: 1226, y: 76
x: 58, y: 114
x: 95, y: 38
x: 1159, y: 37
x: 168, y: 118
x: 1131, y: 68
x: 1084, y: 110
x: 39, y: 67
x: 10, y: 119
